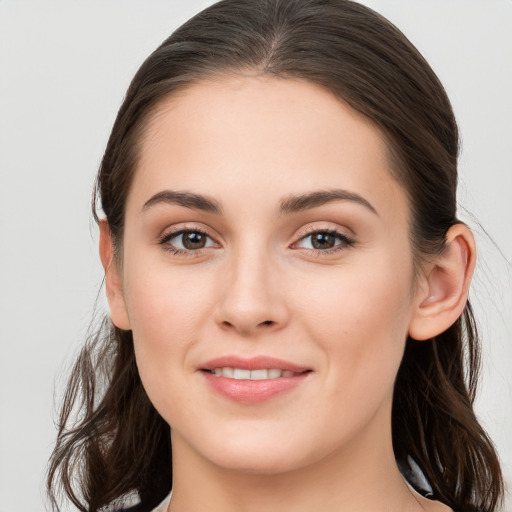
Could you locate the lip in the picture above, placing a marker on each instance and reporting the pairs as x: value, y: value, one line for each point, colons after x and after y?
x: 252, y: 391
x: 253, y: 363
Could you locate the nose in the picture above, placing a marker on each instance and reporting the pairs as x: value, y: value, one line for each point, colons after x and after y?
x: 252, y: 298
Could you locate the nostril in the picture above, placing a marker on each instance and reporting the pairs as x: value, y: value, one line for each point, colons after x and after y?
x: 243, y: 326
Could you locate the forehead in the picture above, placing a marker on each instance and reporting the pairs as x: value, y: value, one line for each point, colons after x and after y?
x: 238, y: 136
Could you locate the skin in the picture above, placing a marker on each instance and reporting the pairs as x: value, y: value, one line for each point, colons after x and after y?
x: 259, y: 287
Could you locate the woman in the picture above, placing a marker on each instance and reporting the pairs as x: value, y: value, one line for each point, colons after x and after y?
x: 287, y: 279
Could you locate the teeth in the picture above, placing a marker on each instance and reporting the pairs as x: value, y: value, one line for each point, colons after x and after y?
x: 239, y: 374
x: 259, y: 374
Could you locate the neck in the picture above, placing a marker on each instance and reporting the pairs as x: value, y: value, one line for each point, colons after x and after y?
x: 362, y: 478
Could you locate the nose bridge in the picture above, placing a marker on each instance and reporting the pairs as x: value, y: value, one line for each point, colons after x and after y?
x: 251, y: 297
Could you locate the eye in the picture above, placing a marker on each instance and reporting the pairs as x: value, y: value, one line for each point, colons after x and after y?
x: 324, y: 241
x: 187, y: 240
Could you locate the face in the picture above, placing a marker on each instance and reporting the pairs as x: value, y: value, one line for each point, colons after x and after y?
x: 267, y: 274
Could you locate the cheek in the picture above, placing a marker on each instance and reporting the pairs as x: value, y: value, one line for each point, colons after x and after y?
x: 167, y: 310
x: 373, y: 294
x: 360, y: 319
x: 165, y: 304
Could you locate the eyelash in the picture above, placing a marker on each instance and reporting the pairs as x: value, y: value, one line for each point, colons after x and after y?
x: 345, y: 242
x: 164, y: 242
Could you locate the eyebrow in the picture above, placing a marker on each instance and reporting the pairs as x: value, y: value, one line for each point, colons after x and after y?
x: 290, y: 204
x: 186, y: 199
x: 301, y: 202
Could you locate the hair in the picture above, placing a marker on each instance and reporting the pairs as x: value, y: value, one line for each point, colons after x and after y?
x: 111, y: 441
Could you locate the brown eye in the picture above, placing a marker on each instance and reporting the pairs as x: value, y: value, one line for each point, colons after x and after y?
x: 323, y: 240
x: 193, y: 240
x: 187, y: 241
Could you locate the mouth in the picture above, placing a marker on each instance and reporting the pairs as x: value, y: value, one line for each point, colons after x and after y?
x: 254, y: 380
x: 257, y: 374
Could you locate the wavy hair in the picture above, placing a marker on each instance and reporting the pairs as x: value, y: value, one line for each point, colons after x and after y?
x: 111, y: 441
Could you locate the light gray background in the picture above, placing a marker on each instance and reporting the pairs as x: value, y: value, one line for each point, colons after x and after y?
x: 64, y: 68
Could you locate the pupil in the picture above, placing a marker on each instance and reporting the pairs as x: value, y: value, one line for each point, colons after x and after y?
x: 193, y: 240
x: 323, y: 241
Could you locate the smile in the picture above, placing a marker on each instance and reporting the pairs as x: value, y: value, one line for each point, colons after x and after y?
x: 254, y: 380
x: 257, y: 374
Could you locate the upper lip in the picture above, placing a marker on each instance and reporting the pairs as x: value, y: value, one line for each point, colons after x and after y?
x: 253, y: 363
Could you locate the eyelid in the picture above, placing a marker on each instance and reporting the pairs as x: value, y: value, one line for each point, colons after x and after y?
x: 175, y: 231
x: 347, y: 240
x: 185, y: 227
x: 323, y: 228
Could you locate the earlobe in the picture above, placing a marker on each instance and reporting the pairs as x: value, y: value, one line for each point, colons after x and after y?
x: 113, y: 281
x: 444, y: 289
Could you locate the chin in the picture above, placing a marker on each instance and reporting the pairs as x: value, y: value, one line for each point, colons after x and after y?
x: 247, y: 451
x: 263, y: 462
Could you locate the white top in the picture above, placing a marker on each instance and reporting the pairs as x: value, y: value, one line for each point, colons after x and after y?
x: 165, y: 503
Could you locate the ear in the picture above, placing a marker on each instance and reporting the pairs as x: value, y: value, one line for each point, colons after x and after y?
x: 113, y: 281
x: 443, y: 291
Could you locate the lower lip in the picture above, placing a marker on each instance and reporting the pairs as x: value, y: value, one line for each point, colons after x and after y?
x: 253, y: 391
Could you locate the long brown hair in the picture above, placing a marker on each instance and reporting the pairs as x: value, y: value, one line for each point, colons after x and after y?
x: 111, y: 441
